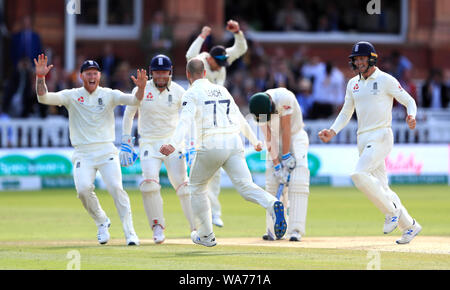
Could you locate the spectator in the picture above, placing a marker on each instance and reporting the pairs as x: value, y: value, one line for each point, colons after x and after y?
x: 304, y: 96
x: 434, y: 91
x: 291, y: 18
x: 157, y: 37
x: 261, y: 77
x: 19, y: 96
x: 408, y: 85
x: 328, y: 92
x: 25, y: 43
x: 108, y: 61
x: 400, y: 63
x: 121, y: 81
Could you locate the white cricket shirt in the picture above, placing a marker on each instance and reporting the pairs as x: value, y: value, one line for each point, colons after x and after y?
x: 214, y: 112
x: 286, y: 104
x: 158, y: 112
x: 372, y: 98
x: 91, y: 116
x: 237, y: 50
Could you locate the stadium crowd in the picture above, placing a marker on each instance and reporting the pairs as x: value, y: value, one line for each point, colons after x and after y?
x: 318, y: 84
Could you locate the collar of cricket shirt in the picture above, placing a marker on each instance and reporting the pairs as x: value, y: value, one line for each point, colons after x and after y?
x: 94, y: 93
x: 375, y: 74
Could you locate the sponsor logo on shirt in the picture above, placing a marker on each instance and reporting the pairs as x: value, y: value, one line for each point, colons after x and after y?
x: 286, y: 107
x: 149, y: 97
x: 355, y: 88
x: 81, y: 100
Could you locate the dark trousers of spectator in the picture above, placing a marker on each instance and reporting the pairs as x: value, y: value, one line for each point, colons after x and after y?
x: 321, y: 111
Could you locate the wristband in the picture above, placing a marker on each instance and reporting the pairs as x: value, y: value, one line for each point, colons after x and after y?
x: 40, y: 76
x: 286, y: 156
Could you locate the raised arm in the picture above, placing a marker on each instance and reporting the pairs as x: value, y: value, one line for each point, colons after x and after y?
x: 240, y: 43
x: 43, y: 96
x: 196, y: 46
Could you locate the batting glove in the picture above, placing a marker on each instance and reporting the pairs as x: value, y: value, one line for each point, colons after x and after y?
x: 127, y: 155
x: 288, y: 161
x: 280, y: 174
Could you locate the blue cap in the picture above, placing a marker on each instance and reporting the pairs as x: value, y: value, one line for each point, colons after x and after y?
x: 89, y: 64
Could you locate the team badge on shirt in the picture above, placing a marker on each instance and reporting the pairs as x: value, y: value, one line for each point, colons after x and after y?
x: 375, y: 89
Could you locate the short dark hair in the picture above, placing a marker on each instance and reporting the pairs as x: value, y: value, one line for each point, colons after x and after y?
x: 195, y: 66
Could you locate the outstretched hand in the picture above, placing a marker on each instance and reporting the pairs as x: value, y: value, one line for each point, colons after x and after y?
x: 141, y: 80
x: 41, y: 67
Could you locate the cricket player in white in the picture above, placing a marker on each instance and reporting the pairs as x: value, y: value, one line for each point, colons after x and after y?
x: 92, y: 133
x: 158, y: 117
x: 280, y: 119
x: 215, y: 62
x: 371, y: 94
x: 218, y: 144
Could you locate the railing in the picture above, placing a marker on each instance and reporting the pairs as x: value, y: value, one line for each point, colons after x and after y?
x: 433, y: 126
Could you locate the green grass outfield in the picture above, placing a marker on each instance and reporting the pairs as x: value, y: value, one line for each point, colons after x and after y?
x: 42, y: 229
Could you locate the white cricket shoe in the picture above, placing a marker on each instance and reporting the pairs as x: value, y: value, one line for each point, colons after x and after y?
x: 158, y: 234
x: 410, y: 233
x: 208, y: 241
x: 391, y: 221
x: 132, y: 240
x: 295, y: 237
x: 103, y: 232
x: 216, y: 220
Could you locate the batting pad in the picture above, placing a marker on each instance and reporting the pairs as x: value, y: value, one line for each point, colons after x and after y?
x: 153, y: 203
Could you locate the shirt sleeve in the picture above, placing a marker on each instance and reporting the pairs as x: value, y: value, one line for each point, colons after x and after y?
x: 346, y: 112
x: 121, y: 98
x: 128, y: 117
x: 286, y: 105
x: 238, y: 49
x: 395, y: 90
x: 195, y: 48
x: 53, y: 99
x: 187, y: 117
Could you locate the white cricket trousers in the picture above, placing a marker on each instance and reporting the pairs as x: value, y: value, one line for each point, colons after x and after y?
x: 151, y: 162
x: 298, y: 188
x: 87, y: 159
x: 224, y: 151
x: 370, y: 173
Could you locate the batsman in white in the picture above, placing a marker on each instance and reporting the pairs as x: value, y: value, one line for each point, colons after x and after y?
x: 215, y: 62
x: 280, y: 119
x: 157, y: 119
x: 92, y: 133
x: 371, y: 94
x: 218, y: 144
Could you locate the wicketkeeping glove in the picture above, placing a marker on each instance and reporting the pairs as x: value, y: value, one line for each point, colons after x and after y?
x: 127, y: 155
x: 288, y: 161
x: 280, y: 174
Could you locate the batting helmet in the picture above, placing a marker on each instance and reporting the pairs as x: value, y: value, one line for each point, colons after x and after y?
x: 363, y: 48
x: 261, y: 104
x: 161, y: 62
